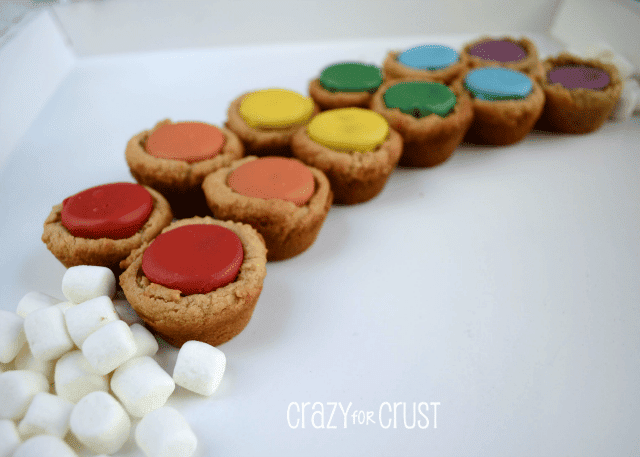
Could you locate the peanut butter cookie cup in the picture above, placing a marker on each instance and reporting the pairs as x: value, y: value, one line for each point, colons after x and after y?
x: 211, y: 316
x: 174, y: 158
x: 102, y: 225
x: 431, y: 118
x: 345, y: 84
x: 354, y: 147
x: 516, y: 54
x: 285, y: 200
x: 431, y: 62
x: 580, y: 93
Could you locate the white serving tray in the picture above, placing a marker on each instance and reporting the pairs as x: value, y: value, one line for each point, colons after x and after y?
x: 500, y: 288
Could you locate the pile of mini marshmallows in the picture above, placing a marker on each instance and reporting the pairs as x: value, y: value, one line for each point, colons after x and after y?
x: 85, y: 366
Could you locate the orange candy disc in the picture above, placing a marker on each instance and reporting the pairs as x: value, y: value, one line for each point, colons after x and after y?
x: 187, y: 141
x: 273, y: 177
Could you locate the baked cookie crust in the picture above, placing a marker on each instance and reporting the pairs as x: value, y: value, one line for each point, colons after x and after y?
x: 578, y: 110
x: 393, y: 69
x: 262, y: 142
x: 178, y: 180
x: 213, y: 318
x: 72, y: 251
x: 531, y: 64
x: 504, y: 122
x: 430, y: 140
x: 332, y: 100
x: 355, y: 177
x: 287, y: 229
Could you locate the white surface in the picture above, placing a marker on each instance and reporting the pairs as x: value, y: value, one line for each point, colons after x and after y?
x: 502, y: 285
x: 114, y: 26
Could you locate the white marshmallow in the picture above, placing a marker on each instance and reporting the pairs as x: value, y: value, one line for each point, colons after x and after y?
x: 109, y: 347
x: 85, y: 282
x: 17, y: 389
x: 199, y: 367
x: 146, y: 343
x: 142, y: 385
x: 47, y: 333
x: 87, y: 317
x: 9, y: 438
x: 47, y: 415
x: 12, y: 336
x: 32, y: 301
x: 100, y: 423
x: 26, y: 361
x: 44, y: 446
x: 126, y: 312
x: 75, y: 377
x: 165, y: 433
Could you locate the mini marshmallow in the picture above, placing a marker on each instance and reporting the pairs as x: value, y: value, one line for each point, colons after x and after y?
x: 33, y: 301
x: 146, y: 343
x: 109, y: 347
x: 47, y: 415
x: 9, y: 438
x: 87, y: 317
x: 165, y: 433
x: 47, y: 333
x: 100, y: 423
x: 44, y: 446
x: 142, y: 385
x: 17, y: 389
x: 199, y: 367
x: 85, y: 282
x: 12, y: 336
x: 126, y: 312
x: 26, y: 361
x: 75, y: 377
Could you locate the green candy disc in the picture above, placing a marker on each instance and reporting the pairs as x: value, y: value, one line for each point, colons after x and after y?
x: 351, y: 77
x: 420, y: 98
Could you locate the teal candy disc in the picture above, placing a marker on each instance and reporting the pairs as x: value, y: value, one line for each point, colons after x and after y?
x: 498, y: 84
x: 429, y: 57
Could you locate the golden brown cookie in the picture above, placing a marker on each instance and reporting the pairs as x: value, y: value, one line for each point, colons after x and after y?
x: 531, y: 64
x: 392, y: 69
x: 179, y: 181
x: 578, y: 110
x: 260, y: 141
x: 288, y: 229
x: 213, y: 318
x: 331, y: 100
x: 355, y: 176
x: 504, y: 122
x: 73, y: 251
x: 429, y: 140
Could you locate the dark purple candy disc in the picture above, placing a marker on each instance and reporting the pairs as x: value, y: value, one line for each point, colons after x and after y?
x: 499, y: 51
x: 579, y: 76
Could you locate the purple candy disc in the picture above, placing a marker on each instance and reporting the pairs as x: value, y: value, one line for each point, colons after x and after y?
x: 499, y: 51
x: 579, y: 76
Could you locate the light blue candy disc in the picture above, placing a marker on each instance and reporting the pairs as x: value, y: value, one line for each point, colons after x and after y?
x: 429, y: 57
x: 498, y: 84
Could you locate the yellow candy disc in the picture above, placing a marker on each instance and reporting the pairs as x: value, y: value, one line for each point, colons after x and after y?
x: 275, y: 108
x: 349, y: 129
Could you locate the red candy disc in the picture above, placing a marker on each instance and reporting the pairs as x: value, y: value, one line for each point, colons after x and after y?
x: 113, y: 211
x: 187, y: 141
x: 273, y: 177
x: 194, y: 259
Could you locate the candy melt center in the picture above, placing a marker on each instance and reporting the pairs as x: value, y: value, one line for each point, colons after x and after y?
x: 499, y: 51
x: 420, y: 98
x: 194, y: 259
x: 498, y: 84
x: 351, y: 77
x: 275, y: 108
x: 579, y: 76
x: 429, y: 57
x: 115, y: 211
x: 187, y: 141
x: 273, y: 177
x: 349, y: 129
